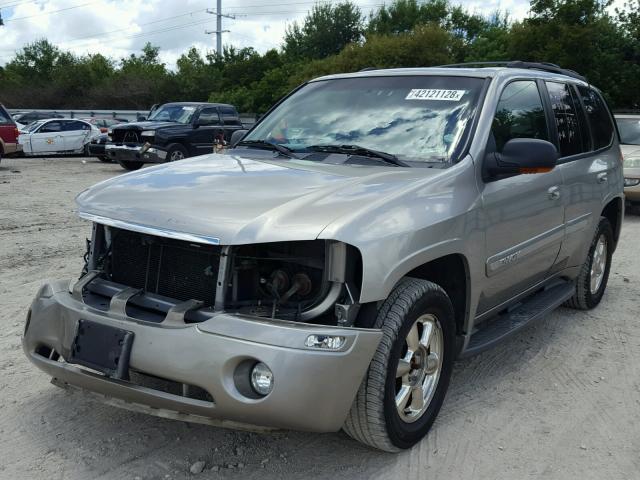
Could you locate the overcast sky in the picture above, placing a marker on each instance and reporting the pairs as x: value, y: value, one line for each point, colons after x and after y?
x: 118, y: 27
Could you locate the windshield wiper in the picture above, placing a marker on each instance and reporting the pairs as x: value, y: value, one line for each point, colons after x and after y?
x: 287, y: 152
x: 359, y: 150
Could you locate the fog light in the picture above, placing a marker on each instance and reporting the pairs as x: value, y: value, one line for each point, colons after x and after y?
x: 262, y: 379
x: 325, y: 342
x: 631, y: 182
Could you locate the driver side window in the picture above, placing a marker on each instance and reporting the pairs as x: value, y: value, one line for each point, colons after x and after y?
x: 520, y: 114
x: 51, y: 127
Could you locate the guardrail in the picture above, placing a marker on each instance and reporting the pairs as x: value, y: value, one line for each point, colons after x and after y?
x: 247, y: 119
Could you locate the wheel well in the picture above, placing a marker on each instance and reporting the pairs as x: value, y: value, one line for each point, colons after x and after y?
x: 451, y: 273
x: 613, y: 212
x: 180, y: 142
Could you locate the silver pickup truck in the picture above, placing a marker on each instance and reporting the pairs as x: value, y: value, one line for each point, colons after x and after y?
x: 326, y: 272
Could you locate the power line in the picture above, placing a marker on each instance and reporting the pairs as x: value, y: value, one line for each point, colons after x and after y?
x: 15, y: 19
x: 138, y: 25
x: 71, y: 43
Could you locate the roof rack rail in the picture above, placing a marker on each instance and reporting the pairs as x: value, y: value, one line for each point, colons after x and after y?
x: 544, y: 66
x: 367, y: 69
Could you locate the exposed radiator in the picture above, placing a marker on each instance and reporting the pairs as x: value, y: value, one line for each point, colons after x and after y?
x: 172, y: 268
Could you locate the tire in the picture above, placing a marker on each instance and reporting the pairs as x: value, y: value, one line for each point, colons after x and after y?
x: 175, y: 152
x: 130, y: 165
x: 104, y: 159
x: 374, y: 418
x: 586, y: 297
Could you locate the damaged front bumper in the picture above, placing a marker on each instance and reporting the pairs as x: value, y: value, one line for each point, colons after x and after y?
x: 135, y: 153
x: 312, y: 389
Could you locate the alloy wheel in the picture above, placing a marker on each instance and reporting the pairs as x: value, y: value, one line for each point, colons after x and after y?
x: 419, y: 368
x: 598, y: 264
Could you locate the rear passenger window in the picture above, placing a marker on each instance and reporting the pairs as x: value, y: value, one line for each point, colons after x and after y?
x: 520, y: 114
x: 599, y: 119
x: 73, y: 126
x: 229, y: 115
x: 209, y: 116
x: 567, y: 114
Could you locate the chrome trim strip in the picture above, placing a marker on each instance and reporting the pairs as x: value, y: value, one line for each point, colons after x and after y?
x: 577, y: 224
x: 122, y: 147
x: 517, y: 253
x: 160, y: 232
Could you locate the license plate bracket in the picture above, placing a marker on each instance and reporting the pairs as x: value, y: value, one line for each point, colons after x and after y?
x: 103, y: 348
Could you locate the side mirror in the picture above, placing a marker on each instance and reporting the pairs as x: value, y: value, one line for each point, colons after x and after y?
x: 142, y: 118
x: 521, y: 156
x: 237, y: 136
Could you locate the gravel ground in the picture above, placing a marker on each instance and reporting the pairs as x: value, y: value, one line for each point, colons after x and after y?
x: 561, y: 400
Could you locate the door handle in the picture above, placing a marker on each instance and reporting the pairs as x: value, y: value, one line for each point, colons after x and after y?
x: 553, y: 193
x: 602, y: 177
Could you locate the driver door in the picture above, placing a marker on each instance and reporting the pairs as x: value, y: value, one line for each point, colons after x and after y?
x: 524, y: 214
x: 48, y: 138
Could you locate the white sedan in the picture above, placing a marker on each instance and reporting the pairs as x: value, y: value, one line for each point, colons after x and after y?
x: 57, y: 136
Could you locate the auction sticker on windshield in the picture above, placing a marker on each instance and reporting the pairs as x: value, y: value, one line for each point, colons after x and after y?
x: 435, y: 94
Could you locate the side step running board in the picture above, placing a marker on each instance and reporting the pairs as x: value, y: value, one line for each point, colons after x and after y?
x: 497, y: 329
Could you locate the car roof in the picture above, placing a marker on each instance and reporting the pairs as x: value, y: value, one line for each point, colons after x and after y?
x: 474, y: 72
x: 197, y: 104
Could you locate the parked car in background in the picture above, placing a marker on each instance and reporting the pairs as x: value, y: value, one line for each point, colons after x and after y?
x: 57, y: 136
x: 173, y: 131
x: 28, y: 117
x: 629, y: 128
x: 96, y: 148
x: 104, y: 123
x: 8, y: 134
x: 326, y: 272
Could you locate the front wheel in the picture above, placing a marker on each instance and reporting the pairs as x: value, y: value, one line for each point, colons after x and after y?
x: 130, y: 165
x: 594, y: 274
x: 407, y: 380
x: 176, y: 152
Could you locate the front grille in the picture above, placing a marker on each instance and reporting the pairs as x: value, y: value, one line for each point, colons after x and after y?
x: 125, y: 135
x: 172, y: 268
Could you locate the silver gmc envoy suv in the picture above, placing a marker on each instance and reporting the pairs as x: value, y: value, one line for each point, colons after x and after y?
x: 326, y: 271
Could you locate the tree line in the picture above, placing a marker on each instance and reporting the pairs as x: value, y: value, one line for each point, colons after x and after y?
x: 582, y: 35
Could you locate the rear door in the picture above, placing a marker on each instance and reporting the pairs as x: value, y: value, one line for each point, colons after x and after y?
x: 589, y: 163
x: 208, y: 132
x: 48, y: 138
x: 75, y: 134
x: 524, y: 215
x: 230, y: 120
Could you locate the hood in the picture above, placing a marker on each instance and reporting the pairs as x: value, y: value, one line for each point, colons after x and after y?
x: 146, y: 125
x: 243, y: 200
x: 629, y: 151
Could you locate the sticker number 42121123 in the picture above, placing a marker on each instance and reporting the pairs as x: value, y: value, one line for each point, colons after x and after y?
x: 435, y: 94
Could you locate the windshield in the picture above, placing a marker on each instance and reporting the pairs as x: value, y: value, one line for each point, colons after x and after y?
x: 415, y: 118
x: 32, y: 126
x: 173, y: 113
x: 629, y: 130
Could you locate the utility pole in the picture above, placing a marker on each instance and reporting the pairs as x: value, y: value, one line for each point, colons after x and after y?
x: 218, y: 31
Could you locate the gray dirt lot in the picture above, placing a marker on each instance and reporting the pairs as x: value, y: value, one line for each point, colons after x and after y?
x: 560, y: 401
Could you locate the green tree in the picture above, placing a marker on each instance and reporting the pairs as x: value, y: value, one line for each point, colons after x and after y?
x: 325, y: 31
x: 580, y: 35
